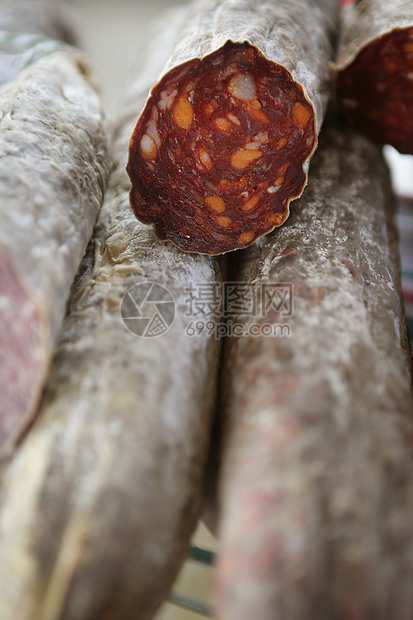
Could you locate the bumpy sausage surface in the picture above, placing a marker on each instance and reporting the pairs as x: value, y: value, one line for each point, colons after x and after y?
x: 316, y: 487
x: 54, y: 164
x: 224, y: 141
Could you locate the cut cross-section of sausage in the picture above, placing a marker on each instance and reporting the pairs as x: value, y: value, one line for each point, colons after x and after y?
x: 223, y: 143
x: 374, y: 70
x: 219, y: 150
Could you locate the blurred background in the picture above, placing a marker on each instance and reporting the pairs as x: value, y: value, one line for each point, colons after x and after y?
x: 112, y: 32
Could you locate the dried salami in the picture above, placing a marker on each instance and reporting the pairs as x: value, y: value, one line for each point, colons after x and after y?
x: 103, y: 495
x: 374, y: 69
x: 54, y: 163
x: 224, y: 141
x: 316, y: 486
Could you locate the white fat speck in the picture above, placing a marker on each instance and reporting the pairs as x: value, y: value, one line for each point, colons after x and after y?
x: 167, y: 98
x: 262, y: 136
x: 147, y: 143
x: 273, y: 189
x: 242, y: 86
x: 152, y: 131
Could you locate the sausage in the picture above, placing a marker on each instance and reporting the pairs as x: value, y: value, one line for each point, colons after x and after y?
x: 111, y: 475
x: 316, y: 480
x: 54, y: 163
x: 224, y: 141
x: 374, y: 68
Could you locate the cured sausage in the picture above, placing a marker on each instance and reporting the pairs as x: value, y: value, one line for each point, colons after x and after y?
x: 54, y: 163
x: 316, y: 486
x: 104, y: 493
x: 374, y: 68
x: 224, y: 141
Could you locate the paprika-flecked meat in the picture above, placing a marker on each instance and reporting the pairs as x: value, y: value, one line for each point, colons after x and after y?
x: 225, y: 138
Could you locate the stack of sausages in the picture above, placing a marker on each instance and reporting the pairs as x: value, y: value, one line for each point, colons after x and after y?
x: 233, y: 332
